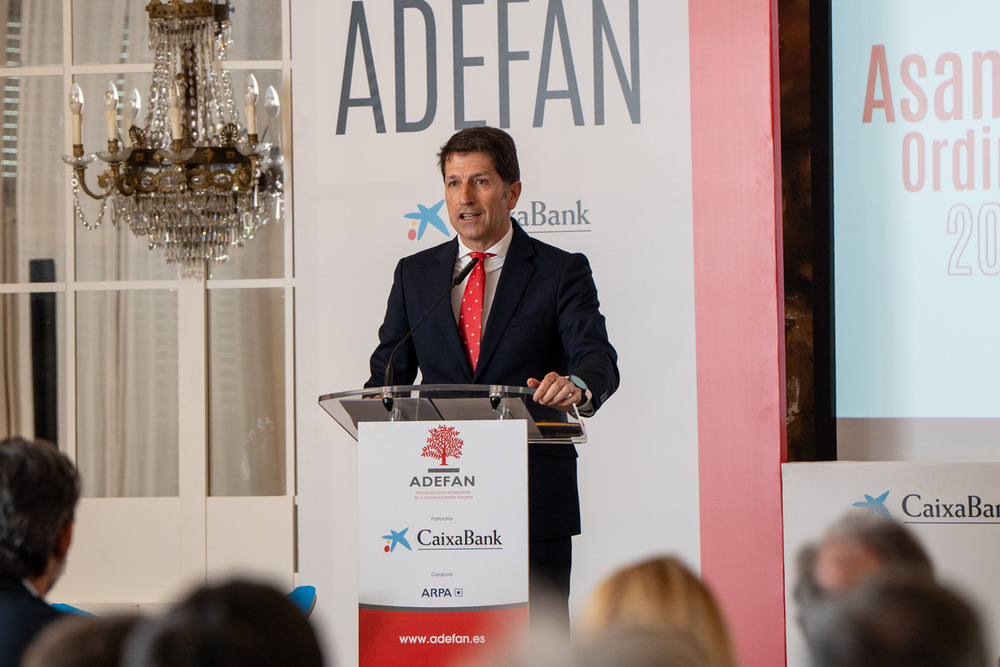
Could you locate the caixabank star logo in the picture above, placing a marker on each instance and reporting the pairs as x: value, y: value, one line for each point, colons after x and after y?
x: 424, y: 216
x: 396, y: 538
x: 875, y: 505
x: 444, y: 444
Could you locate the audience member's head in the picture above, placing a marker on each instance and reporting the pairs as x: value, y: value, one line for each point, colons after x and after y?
x: 237, y: 624
x: 80, y: 641
x: 39, y: 488
x: 897, y: 619
x: 854, y: 549
x: 661, y: 595
x: 643, y: 647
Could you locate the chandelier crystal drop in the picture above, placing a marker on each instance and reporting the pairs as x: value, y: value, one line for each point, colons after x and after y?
x: 191, y: 179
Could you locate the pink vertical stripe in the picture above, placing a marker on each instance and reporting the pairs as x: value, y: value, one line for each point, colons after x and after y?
x: 739, y: 316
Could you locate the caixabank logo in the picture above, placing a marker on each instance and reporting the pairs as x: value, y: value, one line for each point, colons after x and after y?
x: 970, y: 509
x: 875, y: 504
x: 918, y: 508
x: 538, y: 216
x: 396, y: 538
x: 429, y: 539
x: 424, y: 216
x: 443, y: 443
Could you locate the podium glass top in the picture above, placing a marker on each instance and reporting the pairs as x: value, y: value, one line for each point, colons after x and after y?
x: 454, y: 402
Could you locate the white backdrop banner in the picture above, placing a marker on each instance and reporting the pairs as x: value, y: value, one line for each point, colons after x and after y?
x: 596, y: 96
x: 953, y: 508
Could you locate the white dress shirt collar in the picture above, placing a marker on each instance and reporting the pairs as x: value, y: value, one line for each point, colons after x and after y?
x: 498, y: 249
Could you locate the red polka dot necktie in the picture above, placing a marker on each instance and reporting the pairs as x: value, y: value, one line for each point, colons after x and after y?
x: 470, y: 317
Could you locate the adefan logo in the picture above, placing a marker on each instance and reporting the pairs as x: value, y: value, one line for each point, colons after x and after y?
x: 443, y: 442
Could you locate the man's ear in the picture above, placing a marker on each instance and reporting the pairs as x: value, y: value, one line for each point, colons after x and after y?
x: 513, y: 193
x: 65, y: 538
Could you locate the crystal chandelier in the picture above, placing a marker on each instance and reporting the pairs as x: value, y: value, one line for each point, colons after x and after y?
x: 191, y: 179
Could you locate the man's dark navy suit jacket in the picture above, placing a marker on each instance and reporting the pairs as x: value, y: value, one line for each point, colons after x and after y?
x: 544, y: 317
x: 22, y: 617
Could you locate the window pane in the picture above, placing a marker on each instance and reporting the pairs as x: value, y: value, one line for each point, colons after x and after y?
x: 117, y: 31
x: 32, y: 32
x: 33, y: 178
x: 256, y: 30
x: 32, y: 363
x: 106, y: 32
x: 126, y: 404
x: 246, y: 369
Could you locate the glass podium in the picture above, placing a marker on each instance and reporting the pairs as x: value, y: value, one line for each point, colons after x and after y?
x: 454, y: 402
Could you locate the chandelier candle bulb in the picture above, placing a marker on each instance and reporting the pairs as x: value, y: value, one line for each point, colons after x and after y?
x: 251, y: 99
x: 111, y: 107
x: 132, y: 107
x: 174, y: 111
x: 190, y: 179
x: 76, y: 111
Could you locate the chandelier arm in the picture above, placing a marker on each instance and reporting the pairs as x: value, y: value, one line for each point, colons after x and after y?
x: 191, y: 180
x: 80, y: 172
x: 121, y: 181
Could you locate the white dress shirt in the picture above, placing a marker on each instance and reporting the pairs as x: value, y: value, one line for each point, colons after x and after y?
x: 492, y: 267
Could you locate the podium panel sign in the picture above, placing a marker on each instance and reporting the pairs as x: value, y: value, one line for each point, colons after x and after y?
x: 443, y: 544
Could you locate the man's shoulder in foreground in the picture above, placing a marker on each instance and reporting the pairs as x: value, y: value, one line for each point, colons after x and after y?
x: 22, y: 616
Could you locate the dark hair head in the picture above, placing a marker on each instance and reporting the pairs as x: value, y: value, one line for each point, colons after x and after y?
x: 898, y: 620
x: 890, y: 542
x: 483, y: 139
x: 39, y: 488
x: 236, y: 624
x: 80, y: 641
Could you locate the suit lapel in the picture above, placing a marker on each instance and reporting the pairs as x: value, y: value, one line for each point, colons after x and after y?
x: 517, y: 270
x: 443, y: 317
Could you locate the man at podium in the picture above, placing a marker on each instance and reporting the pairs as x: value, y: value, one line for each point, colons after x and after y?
x: 524, y: 313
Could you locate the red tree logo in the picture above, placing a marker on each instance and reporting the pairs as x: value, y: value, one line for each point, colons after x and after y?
x: 442, y: 443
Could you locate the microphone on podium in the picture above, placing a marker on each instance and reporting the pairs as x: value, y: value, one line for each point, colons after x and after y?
x: 457, y: 280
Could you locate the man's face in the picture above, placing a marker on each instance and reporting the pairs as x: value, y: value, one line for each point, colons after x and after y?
x: 841, y: 564
x: 479, y: 203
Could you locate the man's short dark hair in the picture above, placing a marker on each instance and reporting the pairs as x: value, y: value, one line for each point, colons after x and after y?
x: 39, y: 488
x: 484, y: 139
x: 887, y: 540
x: 898, y: 620
x: 235, y: 624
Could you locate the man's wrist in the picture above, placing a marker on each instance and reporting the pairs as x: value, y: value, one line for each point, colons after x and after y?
x: 583, y: 406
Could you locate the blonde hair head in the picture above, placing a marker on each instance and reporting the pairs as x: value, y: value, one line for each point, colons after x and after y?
x: 660, y: 594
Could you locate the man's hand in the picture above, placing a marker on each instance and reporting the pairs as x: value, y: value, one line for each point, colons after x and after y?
x: 556, y: 391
